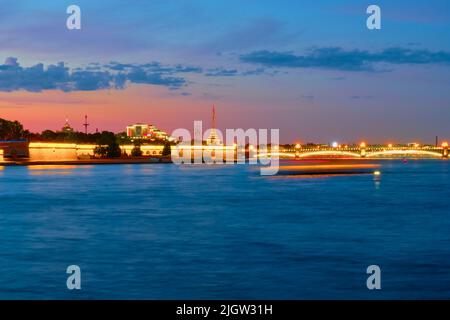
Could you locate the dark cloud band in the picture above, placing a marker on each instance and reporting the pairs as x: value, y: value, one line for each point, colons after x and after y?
x: 336, y: 58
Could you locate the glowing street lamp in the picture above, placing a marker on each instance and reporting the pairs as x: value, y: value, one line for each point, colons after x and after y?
x: 445, y: 144
x: 363, y: 145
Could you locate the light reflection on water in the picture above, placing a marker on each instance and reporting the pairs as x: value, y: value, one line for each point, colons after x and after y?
x: 60, y: 169
x: 197, y: 232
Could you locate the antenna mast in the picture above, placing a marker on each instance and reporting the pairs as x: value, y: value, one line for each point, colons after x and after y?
x: 86, y: 124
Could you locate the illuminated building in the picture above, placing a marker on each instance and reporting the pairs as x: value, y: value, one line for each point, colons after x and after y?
x: 67, y: 127
x: 147, y: 131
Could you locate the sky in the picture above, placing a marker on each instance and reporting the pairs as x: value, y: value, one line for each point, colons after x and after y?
x: 311, y: 69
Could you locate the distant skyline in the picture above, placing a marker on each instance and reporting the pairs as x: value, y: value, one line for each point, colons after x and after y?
x: 310, y: 68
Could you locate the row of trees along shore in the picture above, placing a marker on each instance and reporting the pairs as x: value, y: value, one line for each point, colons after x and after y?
x: 108, y: 143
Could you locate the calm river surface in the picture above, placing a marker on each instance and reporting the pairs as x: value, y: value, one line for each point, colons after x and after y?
x: 223, y: 232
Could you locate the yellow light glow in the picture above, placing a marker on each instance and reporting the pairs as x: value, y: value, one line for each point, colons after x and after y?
x: 298, y: 146
x: 377, y: 173
x: 51, y: 167
x: 362, y: 145
x: 390, y: 145
x: 445, y: 144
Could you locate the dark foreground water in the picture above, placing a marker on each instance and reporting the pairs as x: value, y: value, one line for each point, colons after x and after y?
x: 169, y: 232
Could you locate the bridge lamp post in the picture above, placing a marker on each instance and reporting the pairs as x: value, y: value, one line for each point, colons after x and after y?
x: 363, y: 146
x: 445, y: 149
x: 297, y: 150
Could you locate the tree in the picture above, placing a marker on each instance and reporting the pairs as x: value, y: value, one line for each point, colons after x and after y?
x: 136, y: 151
x: 122, y: 138
x: 167, y: 151
x: 49, y: 135
x: 113, y: 150
x: 11, y: 130
x: 100, y: 151
x: 108, y: 139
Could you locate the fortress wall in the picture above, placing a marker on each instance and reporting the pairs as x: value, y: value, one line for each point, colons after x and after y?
x: 147, y: 150
x: 43, y: 151
x: 52, y: 151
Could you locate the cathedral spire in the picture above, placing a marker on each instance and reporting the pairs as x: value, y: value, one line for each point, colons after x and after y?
x: 213, y: 137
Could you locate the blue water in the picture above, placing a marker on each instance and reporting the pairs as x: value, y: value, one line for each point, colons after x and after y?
x: 223, y: 232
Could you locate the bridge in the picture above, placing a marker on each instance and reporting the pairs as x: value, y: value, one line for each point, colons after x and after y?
x: 363, y: 151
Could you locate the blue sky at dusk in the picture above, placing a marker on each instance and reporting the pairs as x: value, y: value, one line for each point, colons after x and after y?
x: 310, y: 68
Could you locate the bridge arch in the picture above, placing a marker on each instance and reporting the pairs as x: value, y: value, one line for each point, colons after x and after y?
x: 404, y: 152
x: 329, y: 153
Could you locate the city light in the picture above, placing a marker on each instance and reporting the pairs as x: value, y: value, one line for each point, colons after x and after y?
x: 335, y: 144
x: 445, y: 144
x: 362, y: 145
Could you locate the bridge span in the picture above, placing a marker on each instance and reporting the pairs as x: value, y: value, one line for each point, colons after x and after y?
x: 363, y: 151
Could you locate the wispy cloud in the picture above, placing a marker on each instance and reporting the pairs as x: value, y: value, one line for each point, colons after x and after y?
x: 220, y: 72
x: 336, y: 58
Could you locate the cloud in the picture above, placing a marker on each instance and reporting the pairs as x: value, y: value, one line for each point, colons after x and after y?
x: 220, y: 72
x: 97, y: 76
x: 254, y: 72
x: 154, y: 67
x: 14, y: 77
x: 336, y: 58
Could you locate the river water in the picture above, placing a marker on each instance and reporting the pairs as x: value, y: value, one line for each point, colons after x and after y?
x: 163, y: 231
